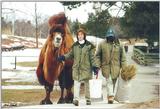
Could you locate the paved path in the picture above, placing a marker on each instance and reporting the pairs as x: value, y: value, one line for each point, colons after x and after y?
x: 82, y: 105
x: 143, y: 86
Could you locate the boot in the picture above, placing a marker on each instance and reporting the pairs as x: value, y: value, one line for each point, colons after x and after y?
x: 76, y: 102
x: 110, y: 99
x: 43, y: 102
x: 88, y: 102
x: 61, y: 101
x: 69, y: 98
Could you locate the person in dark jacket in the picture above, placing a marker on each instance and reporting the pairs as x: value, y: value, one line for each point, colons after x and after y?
x: 111, y: 58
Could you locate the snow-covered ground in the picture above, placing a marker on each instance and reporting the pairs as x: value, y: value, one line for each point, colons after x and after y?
x: 19, y: 76
x: 20, y: 87
x: 26, y: 55
x: 10, y: 41
x: 26, y: 52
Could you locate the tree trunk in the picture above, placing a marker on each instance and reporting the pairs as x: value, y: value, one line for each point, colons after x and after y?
x: 36, y: 25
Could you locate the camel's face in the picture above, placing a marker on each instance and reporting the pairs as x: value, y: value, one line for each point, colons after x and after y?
x: 57, y: 39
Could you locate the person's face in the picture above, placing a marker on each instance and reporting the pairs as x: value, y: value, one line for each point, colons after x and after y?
x: 80, y: 36
x: 111, y: 38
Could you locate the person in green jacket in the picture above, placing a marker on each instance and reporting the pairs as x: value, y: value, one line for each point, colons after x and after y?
x: 82, y: 52
x: 111, y: 58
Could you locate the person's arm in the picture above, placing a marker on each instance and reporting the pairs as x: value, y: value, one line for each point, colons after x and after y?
x: 69, y: 55
x: 98, y: 55
x: 66, y: 56
x: 95, y: 65
x: 123, y: 57
x: 92, y: 56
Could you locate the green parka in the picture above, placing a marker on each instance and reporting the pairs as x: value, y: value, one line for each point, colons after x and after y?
x: 83, y: 60
x: 111, y: 58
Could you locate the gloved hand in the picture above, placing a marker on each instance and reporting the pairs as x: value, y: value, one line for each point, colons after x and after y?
x: 61, y: 58
x: 95, y: 70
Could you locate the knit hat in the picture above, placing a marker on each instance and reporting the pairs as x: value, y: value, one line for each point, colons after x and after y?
x: 110, y: 32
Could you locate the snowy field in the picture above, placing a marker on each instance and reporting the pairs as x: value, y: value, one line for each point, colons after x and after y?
x: 20, y: 40
x: 26, y: 55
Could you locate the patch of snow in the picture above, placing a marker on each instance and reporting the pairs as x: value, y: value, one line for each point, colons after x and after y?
x: 26, y: 41
x: 124, y: 42
x: 42, y: 40
x: 141, y: 44
x: 26, y: 87
x: 16, y: 40
x: 20, y: 87
x: 7, y: 46
x: 7, y: 75
x: 26, y: 68
x: 4, y: 36
x: 25, y: 52
x: 15, y: 44
x: 27, y: 55
x: 20, y: 76
x: 6, y: 62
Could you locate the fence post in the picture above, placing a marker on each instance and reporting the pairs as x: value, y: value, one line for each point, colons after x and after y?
x: 15, y: 62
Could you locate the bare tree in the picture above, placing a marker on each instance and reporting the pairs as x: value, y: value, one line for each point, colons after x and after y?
x: 36, y: 24
x: 24, y: 28
x: 43, y: 27
x: 6, y: 26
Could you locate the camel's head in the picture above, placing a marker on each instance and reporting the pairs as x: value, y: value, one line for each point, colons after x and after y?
x: 57, y: 34
x: 57, y: 25
x: 57, y: 40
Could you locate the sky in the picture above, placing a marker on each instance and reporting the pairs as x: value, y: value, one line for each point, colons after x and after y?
x: 25, y: 10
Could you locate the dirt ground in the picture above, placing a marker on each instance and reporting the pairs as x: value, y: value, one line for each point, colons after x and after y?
x: 28, y: 97
x: 144, y: 105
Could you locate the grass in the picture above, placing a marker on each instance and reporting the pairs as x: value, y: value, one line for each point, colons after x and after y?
x: 28, y: 64
x: 4, y: 83
x: 31, y: 96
